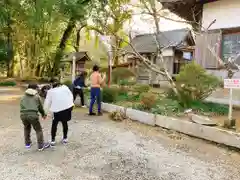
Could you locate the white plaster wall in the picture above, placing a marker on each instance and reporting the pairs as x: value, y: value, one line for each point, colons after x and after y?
x: 168, y: 52
x: 226, y: 13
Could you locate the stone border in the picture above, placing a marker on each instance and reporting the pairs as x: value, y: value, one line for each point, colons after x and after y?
x: 213, y: 134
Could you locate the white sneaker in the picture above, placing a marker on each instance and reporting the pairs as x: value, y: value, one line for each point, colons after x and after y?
x: 64, y: 141
x: 84, y: 106
x: 52, y: 143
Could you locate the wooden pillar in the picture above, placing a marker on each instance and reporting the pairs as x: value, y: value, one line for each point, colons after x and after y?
x: 73, y: 68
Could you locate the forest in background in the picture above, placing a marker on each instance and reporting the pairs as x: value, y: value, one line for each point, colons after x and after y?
x: 35, y: 35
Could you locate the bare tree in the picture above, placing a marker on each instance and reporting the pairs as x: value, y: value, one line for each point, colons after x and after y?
x: 154, y: 10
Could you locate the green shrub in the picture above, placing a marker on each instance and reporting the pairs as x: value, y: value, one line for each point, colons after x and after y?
x: 109, y: 94
x: 209, y: 107
x: 133, y: 97
x: 86, y: 91
x: 122, y: 97
x: 115, y: 86
x: 167, y: 107
x: 139, y: 106
x: 194, y: 83
x: 67, y: 83
x: 123, y: 90
x: 127, y: 82
x: 148, y: 100
x: 171, y: 95
x: 141, y: 88
x: 8, y: 83
x: 121, y: 73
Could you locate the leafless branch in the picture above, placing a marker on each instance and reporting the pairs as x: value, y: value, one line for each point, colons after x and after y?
x: 158, y: 14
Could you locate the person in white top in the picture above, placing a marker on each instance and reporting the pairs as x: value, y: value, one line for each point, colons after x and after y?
x: 59, y: 101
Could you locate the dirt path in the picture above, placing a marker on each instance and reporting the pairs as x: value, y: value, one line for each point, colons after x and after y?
x: 100, y: 149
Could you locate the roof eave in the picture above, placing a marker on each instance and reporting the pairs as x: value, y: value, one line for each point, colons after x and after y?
x: 68, y: 58
x: 179, y: 7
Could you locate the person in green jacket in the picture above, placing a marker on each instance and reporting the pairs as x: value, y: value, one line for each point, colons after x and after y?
x: 30, y: 107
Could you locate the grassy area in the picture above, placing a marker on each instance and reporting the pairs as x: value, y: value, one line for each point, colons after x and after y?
x: 161, y: 105
x: 159, y: 90
x: 7, y: 83
x: 170, y: 107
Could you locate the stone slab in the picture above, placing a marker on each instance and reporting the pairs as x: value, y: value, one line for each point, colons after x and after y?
x: 213, y: 134
x: 143, y: 117
x: 111, y: 108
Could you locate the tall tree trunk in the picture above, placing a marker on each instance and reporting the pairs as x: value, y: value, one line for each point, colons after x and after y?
x: 159, y: 52
x: 42, y: 69
x: 10, y: 62
x: 77, y: 46
x: 37, y: 70
x: 34, y: 62
x: 78, y: 38
x: 59, y: 52
x: 116, y: 50
x: 9, y: 41
x: 21, y: 66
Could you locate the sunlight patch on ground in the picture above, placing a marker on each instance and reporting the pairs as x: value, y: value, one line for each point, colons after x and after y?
x: 9, y: 97
x: 9, y: 89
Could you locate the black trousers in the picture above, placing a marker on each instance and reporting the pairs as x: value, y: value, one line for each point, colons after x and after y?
x: 63, y: 117
x: 79, y: 92
x: 54, y: 129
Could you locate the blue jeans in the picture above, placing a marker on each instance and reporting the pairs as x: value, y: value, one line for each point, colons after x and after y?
x: 95, y: 93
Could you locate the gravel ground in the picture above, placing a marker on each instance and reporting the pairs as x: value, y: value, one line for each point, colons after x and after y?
x: 100, y: 149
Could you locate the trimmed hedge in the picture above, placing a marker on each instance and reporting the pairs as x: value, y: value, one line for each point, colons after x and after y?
x: 8, y: 83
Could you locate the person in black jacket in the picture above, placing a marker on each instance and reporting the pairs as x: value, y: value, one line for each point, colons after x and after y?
x: 78, y: 86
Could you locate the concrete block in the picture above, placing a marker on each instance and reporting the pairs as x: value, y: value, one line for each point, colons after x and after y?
x: 143, y: 117
x: 213, y: 134
x: 237, y: 125
x: 106, y: 107
x: 111, y: 108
